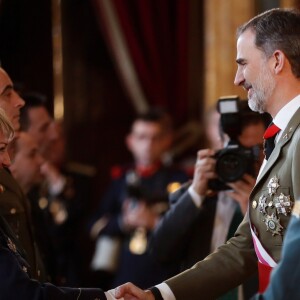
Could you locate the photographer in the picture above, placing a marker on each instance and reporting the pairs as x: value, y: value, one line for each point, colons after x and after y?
x: 200, y: 220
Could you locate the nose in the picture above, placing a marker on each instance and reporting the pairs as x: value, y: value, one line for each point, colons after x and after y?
x: 19, y: 102
x: 239, y: 78
x: 6, y: 160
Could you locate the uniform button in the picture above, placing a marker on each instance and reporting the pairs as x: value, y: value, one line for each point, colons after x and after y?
x: 13, y: 211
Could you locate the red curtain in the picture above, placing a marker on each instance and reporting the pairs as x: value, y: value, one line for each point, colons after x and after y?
x: 148, y: 40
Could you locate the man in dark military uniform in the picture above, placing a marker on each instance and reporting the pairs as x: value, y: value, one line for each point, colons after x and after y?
x: 268, y: 58
x: 14, y: 206
x: 133, y: 204
x: 15, y: 273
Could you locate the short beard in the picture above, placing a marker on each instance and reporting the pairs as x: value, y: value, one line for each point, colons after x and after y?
x: 264, y: 87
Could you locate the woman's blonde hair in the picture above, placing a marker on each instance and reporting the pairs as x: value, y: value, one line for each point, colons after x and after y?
x: 5, y: 125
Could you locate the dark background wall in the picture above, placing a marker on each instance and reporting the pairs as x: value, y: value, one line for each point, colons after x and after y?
x: 97, y: 111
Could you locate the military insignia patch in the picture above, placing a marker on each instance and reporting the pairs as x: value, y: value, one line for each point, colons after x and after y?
x: 273, y: 185
x: 283, y: 204
x: 273, y: 224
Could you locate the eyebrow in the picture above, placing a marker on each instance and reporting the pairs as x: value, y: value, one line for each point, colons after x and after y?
x: 8, y: 87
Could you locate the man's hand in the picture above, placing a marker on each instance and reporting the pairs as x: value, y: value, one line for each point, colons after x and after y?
x: 131, y: 292
x: 241, y: 191
x: 139, y: 215
x: 204, y: 171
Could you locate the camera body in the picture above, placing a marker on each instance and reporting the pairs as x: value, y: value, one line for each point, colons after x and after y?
x: 233, y: 161
x: 138, y: 192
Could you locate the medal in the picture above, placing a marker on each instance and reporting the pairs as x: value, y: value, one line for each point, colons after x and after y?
x: 273, y: 185
x: 11, y: 245
x: 283, y: 204
x: 262, y: 204
x: 273, y: 224
x: 138, y: 242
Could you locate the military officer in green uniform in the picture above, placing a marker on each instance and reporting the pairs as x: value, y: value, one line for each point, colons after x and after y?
x: 268, y: 58
x: 14, y: 206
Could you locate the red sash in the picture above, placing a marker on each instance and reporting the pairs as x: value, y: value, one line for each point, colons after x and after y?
x: 264, y: 272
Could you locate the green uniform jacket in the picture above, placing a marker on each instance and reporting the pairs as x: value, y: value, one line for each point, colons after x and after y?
x: 233, y: 262
x: 15, y: 208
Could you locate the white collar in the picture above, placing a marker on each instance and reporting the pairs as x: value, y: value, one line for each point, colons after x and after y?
x: 286, y: 113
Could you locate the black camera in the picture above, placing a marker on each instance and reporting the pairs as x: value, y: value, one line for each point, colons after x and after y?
x: 138, y: 192
x: 233, y: 161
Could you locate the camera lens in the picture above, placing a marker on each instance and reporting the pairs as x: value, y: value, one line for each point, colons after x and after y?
x: 231, y: 167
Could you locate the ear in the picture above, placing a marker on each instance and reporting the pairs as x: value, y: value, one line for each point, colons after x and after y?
x: 279, y: 61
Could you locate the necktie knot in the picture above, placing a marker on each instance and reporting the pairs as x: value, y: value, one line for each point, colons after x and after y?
x: 271, y: 131
x: 269, y: 139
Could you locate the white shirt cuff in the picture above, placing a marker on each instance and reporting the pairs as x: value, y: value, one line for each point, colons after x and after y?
x: 110, y: 295
x: 165, y: 291
x: 197, y: 199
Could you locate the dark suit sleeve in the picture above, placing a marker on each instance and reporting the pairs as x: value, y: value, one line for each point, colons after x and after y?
x: 16, y: 284
x: 168, y: 241
x: 285, y: 278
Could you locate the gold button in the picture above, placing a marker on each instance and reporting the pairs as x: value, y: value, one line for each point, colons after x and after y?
x: 13, y: 211
x: 254, y: 204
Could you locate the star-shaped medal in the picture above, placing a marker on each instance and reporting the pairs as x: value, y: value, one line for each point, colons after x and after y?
x: 273, y: 224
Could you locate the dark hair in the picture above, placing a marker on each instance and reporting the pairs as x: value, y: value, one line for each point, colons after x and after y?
x: 277, y: 29
x: 156, y: 115
x: 32, y: 100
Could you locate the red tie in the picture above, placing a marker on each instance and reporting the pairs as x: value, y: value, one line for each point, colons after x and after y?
x: 269, y: 139
x: 271, y: 131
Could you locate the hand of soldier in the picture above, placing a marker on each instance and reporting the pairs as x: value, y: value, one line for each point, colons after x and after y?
x: 55, y: 179
x: 204, y: 171
x: 131, y: 292
x: 139, y: 215
x: 241, y: 190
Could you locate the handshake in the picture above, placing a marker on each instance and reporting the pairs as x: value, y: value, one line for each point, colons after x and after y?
x: 129, y: 291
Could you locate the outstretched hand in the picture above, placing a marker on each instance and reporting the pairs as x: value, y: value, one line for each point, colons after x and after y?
x: 131, y: 292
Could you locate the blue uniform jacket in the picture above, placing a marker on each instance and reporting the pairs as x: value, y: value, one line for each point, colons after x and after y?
x: 15, y: 279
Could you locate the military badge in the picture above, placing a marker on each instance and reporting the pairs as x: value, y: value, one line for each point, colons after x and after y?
x: 273, y: 185
x: 138, y: 242
x: 262, y: 204
x: 283, y: 204
x: 273, y: 224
